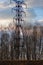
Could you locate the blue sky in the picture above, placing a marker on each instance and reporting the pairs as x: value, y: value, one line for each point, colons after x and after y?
x: 39, y: 12
x: 34, y: 9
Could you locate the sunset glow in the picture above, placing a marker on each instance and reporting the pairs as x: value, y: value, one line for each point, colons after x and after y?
x: 5, y: 22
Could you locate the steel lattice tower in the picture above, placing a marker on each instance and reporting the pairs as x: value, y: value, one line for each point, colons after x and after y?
x: 18, y: 17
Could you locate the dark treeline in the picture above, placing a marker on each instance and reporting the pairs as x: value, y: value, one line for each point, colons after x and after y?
x: 28, y: 46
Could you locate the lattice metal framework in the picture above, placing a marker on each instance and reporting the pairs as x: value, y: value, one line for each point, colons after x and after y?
x: 20, y: 49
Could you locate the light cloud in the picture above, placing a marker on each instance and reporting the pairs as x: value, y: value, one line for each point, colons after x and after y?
x: 34, y: 3
x: 5, y: 22
x: 6, y: 5
x: 30, y: 3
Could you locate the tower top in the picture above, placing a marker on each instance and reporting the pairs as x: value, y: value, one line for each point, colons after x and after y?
x: 19, y: 1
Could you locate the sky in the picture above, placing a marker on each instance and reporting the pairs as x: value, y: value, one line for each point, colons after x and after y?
x: 34, y: 11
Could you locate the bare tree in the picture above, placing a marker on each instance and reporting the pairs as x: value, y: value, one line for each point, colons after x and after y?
x: 4, y: 46
x: 35, y: 41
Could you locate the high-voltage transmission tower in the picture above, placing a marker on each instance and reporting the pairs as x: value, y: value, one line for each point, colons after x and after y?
x: 19, y: 19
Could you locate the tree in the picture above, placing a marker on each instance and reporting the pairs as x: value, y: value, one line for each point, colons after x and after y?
x: 34, y: 41
x: 4, y: 45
